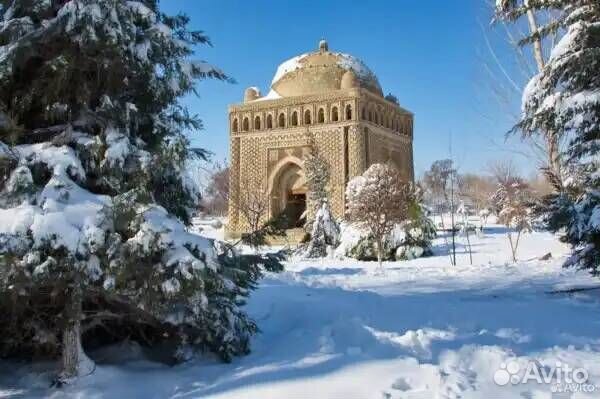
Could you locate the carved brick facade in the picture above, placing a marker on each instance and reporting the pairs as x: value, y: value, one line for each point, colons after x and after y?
x: 351, y: 128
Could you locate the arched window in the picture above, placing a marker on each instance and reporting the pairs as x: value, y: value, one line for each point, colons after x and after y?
x: 269, y: 121
x: 235, y: 125
x: 364, y: 115
x: 348, y: 112
x: 257, y: 123
x: 321, y: 116
x: 307, y: 120
x: 245, y: 125
x: 334, y: 114
x: 281, y: 120
x: 370, y: 116
x: 295, y: 118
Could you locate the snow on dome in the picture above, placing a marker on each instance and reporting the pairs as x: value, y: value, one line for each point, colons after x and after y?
x: 321, y: 71
x: 288, y: 66
x: 349, y: 62
x: 345, y: 61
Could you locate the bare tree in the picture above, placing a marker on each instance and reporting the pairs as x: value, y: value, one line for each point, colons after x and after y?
x: 503, y: 170
x: 477, y: 189
x: 484, y: 214
x: 217, y: 191
x: 436, y: 182
x: 513, y: 200
x: 253, y: 206
x: 463, y: 211
x: 378, y: 200
x: 441, y: 184
x: 451, y: 198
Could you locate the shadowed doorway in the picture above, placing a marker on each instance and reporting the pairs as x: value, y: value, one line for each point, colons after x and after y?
x: 288, y: 195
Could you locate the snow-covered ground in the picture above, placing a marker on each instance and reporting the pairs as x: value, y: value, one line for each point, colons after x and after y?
x: 416, y: 329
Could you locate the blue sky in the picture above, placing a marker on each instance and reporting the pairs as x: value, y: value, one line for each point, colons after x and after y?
x: 429, y: 53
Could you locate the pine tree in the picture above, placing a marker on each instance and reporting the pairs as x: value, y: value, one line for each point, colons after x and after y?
x: 565, y: 98
x: 419, y: 229
x: 94, y: 198
x: 317, y: 179
x: 325, y: 232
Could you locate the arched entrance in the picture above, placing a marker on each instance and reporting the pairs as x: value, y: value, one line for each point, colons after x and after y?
x: 288, y: 193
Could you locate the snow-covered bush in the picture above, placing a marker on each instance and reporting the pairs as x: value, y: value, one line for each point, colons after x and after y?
x: 366, y: 250
x: 357, y: 243
x: 419, y: 232
x: 408, y: 252
x: 403, y: 243
x: 377, y: 201
x: 350, y: 235
x: 409, y: 239
x: 94, y: 199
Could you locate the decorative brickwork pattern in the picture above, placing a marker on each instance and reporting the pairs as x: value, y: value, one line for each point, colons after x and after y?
x: 261, y: 148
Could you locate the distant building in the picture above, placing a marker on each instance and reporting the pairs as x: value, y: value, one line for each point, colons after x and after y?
x: 326, y: 100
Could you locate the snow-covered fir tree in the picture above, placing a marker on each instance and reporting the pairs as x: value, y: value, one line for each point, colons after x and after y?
x: 565, y: 98
x: 317, y: 173
x: 93, y: 195
x: 325, y: 233
x: 419, y: 229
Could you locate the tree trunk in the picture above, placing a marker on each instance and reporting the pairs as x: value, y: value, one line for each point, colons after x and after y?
x: 553, y: 154
x: 537, y: 42
x: 75, y: 363
x: 453, y: 229
x: 517, y: 244
x: 469, y: 243
x: 512, y: 248
x: 552, y: 145
x: 380, y: 253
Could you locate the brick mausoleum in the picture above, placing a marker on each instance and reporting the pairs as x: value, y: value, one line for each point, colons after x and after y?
x: 328, y: 100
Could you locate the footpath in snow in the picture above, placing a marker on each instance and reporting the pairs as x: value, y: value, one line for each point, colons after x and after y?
x: 416, y: 329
